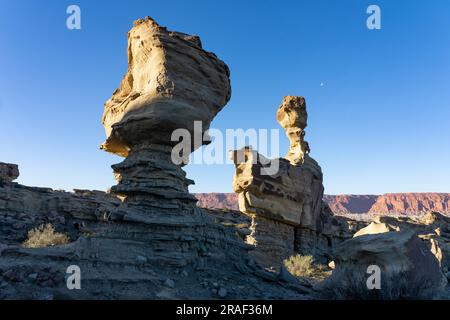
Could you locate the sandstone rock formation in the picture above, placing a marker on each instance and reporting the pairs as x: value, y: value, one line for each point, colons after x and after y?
x: 121, y: 259
x: 286, y: 207
x: 292, y: 116
x: 376, y: 227
x: 146, y: 239
x: 8, y: 172
x: 170, y: 83
x: 433, y: 228
x: 413, y: 256
x: 407, y: 265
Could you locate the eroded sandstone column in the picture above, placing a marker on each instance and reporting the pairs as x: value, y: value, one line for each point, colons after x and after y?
x: 292, y: 116
x: 170, y: 83
x: 286, y: 205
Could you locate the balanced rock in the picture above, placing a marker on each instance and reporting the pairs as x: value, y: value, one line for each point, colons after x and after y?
x: 8, y: 172
x: 284, y: 196
x: 170, y: 83
x: 147, y: 239
x: 292, y: 116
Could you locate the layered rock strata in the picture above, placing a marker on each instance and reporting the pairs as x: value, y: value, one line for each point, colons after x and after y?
x: 122, y: 257
x: 147, y: 239
x: 285, y: 204
x: 171, y: 83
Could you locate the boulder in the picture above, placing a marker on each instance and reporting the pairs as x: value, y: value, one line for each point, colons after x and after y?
x: 171, y: 82
x: 408, y: 267
x: 8, y: 172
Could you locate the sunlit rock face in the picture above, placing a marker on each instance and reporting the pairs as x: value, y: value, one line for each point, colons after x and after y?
x: 292, y: 116
x: 277, y: 189
x: 152, y: 242
x: 170, y: 83
x: 284, y: 196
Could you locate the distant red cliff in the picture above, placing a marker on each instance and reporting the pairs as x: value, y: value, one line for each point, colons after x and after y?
x: 216, y: 200
x: 401, y: 203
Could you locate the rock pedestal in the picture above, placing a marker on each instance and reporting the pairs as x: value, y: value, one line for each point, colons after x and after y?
x: 171, y: 82
x: 148, y: 175
x: 283, y: 196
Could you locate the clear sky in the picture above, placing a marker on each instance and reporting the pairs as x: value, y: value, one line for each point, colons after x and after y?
x: 378, y: 100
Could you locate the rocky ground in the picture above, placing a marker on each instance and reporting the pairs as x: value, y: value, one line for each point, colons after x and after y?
x: 120, y: 259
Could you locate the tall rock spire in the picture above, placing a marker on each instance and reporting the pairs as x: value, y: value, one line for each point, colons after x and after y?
x: 292, y: 116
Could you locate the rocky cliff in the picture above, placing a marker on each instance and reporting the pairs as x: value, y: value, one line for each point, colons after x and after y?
x: 411, y: 203
x: 402, y: 203
x: 217, y: 200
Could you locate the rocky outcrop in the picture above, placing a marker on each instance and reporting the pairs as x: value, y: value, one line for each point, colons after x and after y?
x: 292, y: 116
x: 413, y: 257
x: 8, y: 172
x: 134, y: 258
x: 284, y: 196
x: 146, y: 239
x: 170, y: 83
x: 407, y: 267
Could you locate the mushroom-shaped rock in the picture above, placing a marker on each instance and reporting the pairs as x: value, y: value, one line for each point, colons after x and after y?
x: 170, y: 83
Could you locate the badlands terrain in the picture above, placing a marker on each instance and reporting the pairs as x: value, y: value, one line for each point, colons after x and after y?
x: 146, y: 237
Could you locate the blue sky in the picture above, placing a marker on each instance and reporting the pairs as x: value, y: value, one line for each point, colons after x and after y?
x: 379, y: 123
